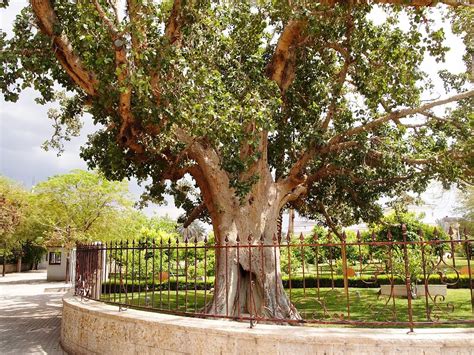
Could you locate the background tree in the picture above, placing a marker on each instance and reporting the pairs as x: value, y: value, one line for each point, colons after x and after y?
x: 261, y: 106
x: 466, y: 209
x: 13, y: 203
x: 82, y: 207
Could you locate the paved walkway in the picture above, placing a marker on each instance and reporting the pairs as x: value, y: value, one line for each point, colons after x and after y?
x: 30, y: 314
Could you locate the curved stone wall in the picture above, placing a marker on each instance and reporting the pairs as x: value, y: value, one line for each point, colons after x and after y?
x: 90, y: 327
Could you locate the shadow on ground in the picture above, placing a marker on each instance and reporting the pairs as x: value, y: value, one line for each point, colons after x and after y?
x: 30, y: 318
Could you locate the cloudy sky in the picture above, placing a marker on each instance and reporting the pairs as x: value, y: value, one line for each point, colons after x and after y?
x: 24, y: 126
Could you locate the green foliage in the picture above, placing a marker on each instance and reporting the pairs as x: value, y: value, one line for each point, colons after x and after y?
x: 393, y: 222
x: 466, y: 208
x: 13, y: 206
x: 368, y: 282
x: 320, y: 235
x: 113, y: 286
x: 32, y: 252
x: 415, y: 231
x: 212, y: 87
x: 290, y: 260
x: 81, y: 206
x: 161, y: 249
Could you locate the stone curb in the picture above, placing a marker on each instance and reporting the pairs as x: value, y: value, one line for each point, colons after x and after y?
x: 156, y: 333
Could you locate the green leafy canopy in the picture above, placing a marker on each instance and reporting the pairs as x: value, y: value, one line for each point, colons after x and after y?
x: 166, y: 81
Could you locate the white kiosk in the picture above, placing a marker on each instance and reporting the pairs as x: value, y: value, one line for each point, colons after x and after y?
x: 58, y: 264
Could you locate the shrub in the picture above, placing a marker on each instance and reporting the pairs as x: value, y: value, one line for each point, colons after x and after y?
x: 113, y: 286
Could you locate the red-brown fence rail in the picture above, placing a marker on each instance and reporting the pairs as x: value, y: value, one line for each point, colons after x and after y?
x: 402, y: 280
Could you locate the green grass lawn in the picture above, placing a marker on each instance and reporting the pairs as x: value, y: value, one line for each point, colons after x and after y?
x: 331, y: 304
x: 325, y: 268
x: 366, y: 305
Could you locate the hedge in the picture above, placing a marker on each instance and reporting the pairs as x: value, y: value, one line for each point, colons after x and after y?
x: 368, y: 282
x: 113, y: 286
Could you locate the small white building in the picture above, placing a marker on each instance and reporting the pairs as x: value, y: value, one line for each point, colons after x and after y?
x: 58, y: 264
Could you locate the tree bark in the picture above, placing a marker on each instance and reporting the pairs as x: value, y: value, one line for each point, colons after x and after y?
x: 291, y: 221
x: 248, y: 276
x: 18, y: 264
x: 4, y: 258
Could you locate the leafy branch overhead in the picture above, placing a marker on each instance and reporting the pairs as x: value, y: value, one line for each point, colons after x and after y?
x: 243, y: 106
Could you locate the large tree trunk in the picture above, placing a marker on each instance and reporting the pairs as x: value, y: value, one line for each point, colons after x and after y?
x: 248, y: 277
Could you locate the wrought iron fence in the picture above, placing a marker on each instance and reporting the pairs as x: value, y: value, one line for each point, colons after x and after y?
x: 405, y: 280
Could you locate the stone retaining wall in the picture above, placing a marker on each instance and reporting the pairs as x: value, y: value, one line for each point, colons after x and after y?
x: 11, y: 268
x: 91, y: 327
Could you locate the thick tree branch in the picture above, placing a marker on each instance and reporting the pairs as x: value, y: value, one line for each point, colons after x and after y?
x: 173, y: 26
x: 127, y: 134
x: 337, y: 142
x: 138, y: 32
x: 345, y: 51
x: 110, y: 25
x: 207, y: 195
x: 173, y: 33
x: 307, y: 156
x: 397, y: 115
x: 329, y: 220
x: 195, y: 214
x: 63, y: 50
x: 210, y: 175
x: 293, y: 195
x: 281, y: 68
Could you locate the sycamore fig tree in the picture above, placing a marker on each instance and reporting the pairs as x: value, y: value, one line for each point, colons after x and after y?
x: 239, y: 109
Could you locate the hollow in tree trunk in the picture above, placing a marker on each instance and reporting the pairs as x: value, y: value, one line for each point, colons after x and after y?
x: 248, y: 277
